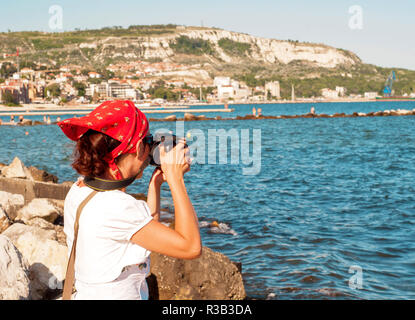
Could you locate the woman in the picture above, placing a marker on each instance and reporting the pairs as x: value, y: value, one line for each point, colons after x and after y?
x: 117, y: 232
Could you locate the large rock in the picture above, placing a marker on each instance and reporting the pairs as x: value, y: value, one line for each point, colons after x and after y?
x: 34, y: 189
x: 46, y: 256
x: 41, y: 208
x: 11, y: 203
x: 210, y: 277
x: 4, y: 220
x: 14, y: 274
x: 42, y: 175
x: 189, y: 117
x: 171, y: 118
x: 15, y: 170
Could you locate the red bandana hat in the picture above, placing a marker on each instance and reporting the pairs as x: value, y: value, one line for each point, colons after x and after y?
x: 119, y: 119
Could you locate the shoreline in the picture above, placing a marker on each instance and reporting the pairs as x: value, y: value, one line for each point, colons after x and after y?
x: 51, y: 106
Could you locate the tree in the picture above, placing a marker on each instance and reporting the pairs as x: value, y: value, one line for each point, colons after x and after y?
x: 7, y: 70
x: 80, y: 87
x: 53, y: 90
x: 9, y: 99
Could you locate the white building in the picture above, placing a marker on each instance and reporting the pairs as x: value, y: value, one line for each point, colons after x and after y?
x: 341, y: 91
x: 329, y: 93
x: 371, y: 95
x: 113, y: 90
x: 226, y: 92
x: 274, y: 89
x: 222, y: 81
x: 94, y: 75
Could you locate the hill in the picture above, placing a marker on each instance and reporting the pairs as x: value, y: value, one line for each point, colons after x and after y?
x: 211, y: 52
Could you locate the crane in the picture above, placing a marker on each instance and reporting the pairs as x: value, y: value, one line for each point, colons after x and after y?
x: 387, y: 91
x: 5, y: 55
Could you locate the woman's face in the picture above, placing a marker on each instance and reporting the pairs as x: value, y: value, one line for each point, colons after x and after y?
x: 132, y: 164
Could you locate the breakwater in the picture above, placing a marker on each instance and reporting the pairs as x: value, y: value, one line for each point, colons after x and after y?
x: 191, y: 117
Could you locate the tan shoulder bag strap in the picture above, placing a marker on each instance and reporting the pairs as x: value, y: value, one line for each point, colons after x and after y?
x: 70, y: 270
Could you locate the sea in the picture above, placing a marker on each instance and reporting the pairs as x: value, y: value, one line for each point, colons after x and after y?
x: 327, y: 210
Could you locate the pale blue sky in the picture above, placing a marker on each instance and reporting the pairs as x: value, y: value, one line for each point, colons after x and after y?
x: 387, y: 38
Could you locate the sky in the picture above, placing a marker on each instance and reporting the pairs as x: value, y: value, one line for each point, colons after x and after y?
x: 380, y: 32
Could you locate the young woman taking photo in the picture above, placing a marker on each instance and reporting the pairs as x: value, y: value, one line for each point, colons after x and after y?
x: 109, y: 233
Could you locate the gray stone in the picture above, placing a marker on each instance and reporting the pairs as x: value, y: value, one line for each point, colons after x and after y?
x: 47, y: 258
x: 11, y: 203
x: 14, y: 170
x: 41, y: 208
x: 14, y: 273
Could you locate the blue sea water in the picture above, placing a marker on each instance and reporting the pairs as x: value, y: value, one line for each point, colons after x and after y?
x: 330, y: 215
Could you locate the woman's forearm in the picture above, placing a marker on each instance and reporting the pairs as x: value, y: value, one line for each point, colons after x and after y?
x: 186, y: 222
x: 153, y: 200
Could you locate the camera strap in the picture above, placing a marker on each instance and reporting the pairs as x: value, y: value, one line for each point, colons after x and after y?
x: 101, y: 185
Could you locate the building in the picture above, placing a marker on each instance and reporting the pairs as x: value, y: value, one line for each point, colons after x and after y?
x: 371, y: 95
x: 341, y: 91
x: 273, y: 88
x: 17, y: 88
x: 122, y: 91
x: 94, y: 75
x: 221, y: 81
x: 113, y: 90
x: 226, y: 92
x: 329, y: 93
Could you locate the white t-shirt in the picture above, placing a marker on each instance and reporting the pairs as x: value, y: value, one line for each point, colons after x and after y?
x: 107, y: 223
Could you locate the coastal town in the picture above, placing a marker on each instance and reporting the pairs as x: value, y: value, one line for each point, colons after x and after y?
x: 148, y: 83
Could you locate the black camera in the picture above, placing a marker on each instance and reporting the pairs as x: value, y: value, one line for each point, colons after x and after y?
x: 169, y: 141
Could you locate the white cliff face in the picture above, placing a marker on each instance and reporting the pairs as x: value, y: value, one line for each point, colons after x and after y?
x: 273, y: 51
x: 262, y: 49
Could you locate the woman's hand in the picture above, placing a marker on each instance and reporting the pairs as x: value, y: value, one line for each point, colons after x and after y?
x: 158, y: 177
x: 176, y: 162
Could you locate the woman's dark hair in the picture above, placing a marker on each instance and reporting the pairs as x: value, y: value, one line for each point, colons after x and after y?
x: 90, y: 151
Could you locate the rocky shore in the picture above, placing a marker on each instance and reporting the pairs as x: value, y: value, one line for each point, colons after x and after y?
x: 34, y: 255
x: 385, y: 113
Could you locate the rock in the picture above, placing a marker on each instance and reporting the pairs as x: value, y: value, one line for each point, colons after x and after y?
x: 42, y: 175
x: 4, y: 221
x: 189, y: 117
x: 361, y: 114
x: 42, y: 208
x: 47, y: 258
x: 171, y: 118
x: 26, y: 122
x: 14, y: 273
x: 404, y: 112
x: 34, y: 189
x: 212, y: 276
x: 14, y: 170
x: 11, y: 203
x: 40, y: 223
